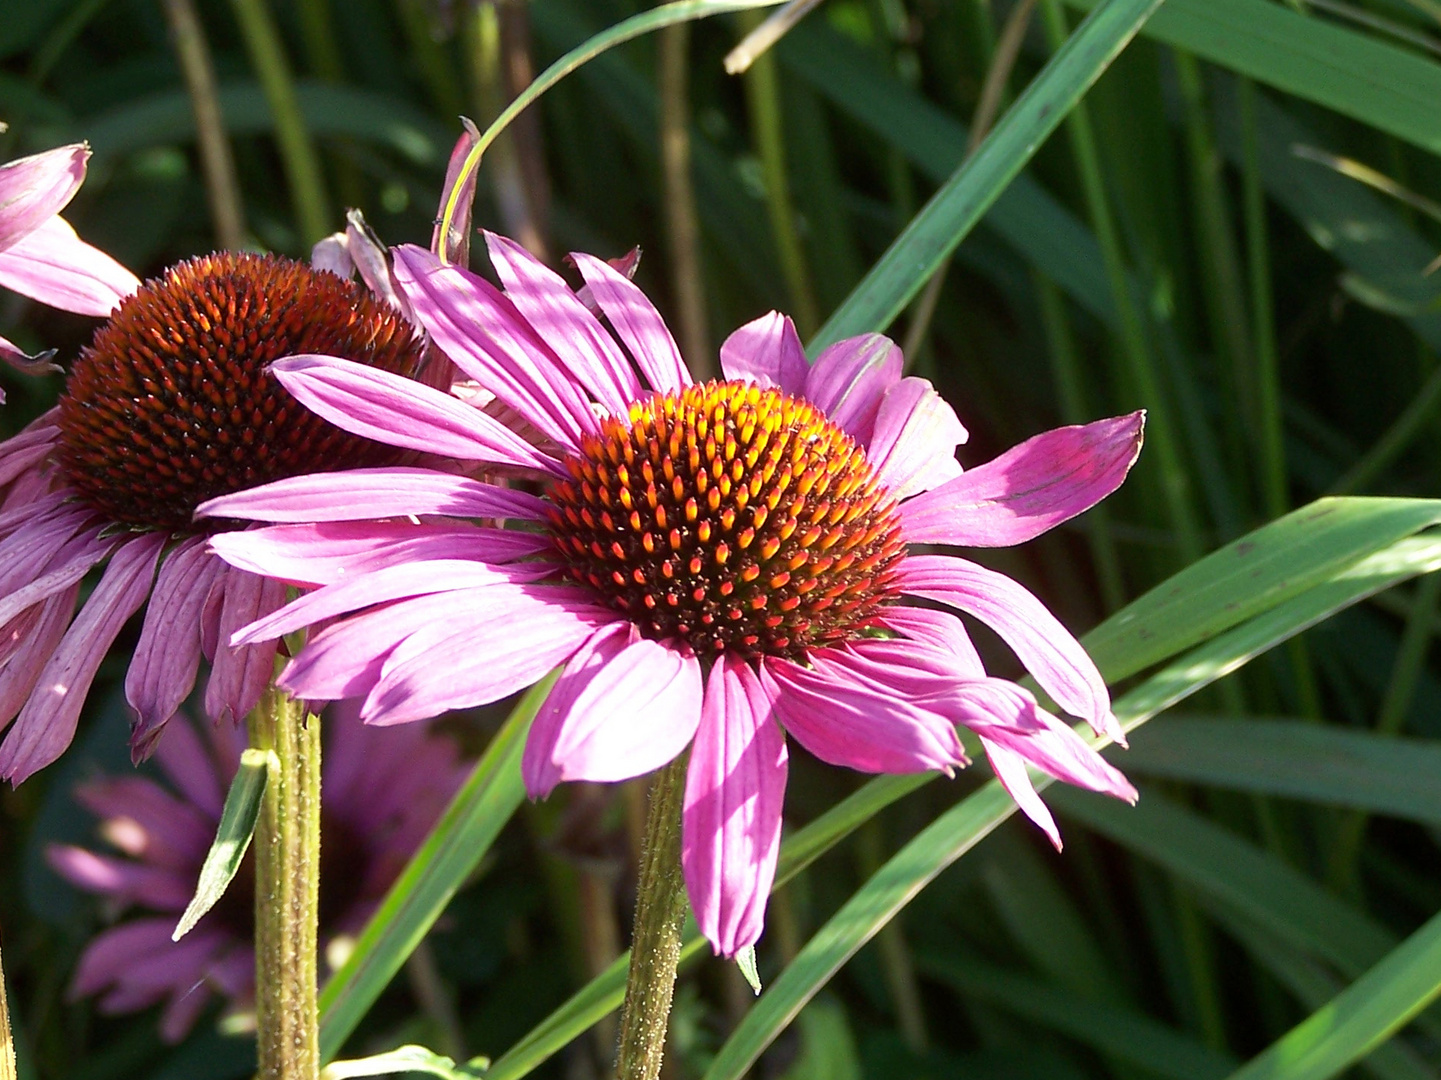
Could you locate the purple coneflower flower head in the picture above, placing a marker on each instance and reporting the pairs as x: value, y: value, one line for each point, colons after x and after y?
x: 40, y: 255
x: 381, y: 793
x: 711, y: 565
x: 171, y: 404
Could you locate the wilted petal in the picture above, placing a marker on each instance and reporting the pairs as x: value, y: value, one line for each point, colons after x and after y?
x: 1010, y: 770
x: 734, y: 792
x: 621, y: 708
x: 462, y: 193
x: 239, y: 675
x: 767, y: 351
x: 913, y: 447
x: 637, y: 322
x: 53, y: 265
x: 849, y: 379
x: 1049, y: 651
x: 1030, y: 488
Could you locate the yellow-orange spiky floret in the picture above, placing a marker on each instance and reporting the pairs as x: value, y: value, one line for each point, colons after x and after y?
x: 171, y: 404
x: 731, y: 516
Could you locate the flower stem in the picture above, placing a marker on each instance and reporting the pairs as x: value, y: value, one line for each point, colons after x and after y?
x: 7, y: 1044
x: 655, y: 944
x: 287, y: 891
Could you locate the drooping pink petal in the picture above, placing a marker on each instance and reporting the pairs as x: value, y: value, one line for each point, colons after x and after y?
x: 53, y: 265
x: 38, y: 187
x: 55, y: 568
x: 327, y: 552
x: 46, y: 724
x: 767, y: 351
x: 572, y: 333
x: 637, y: 322
x: 26, y: 659
x: 1049, y: 651
x: 356, y: 494
x: 162, y: 671
x: 849, y: 379
x: 913, y: 447
x: 939, y: 629
x: 461, y: 191
x: 189, y: 765
x: 239, y: 675
x: 623, y: 706
x: 181, y: 1011
x: 481, y: 330
x: 116, y: 952
x: 510, y: 636
x: 164, y: 829
x: 1010, y: 770
x: 845, y: 721
x: 735, y: 789
x: 41, y: 363
x: 22, y: 452
x: 398, y: 582
x: 402, y: 412
x: 1030, y: 488
x: 126, y: 880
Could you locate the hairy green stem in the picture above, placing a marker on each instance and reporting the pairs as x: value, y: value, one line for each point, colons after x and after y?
x: 7, y: 1043
x: 298, y: 154
x: 655, y: 943
x: 287, y: 891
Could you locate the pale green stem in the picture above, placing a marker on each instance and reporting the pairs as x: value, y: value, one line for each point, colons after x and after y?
x: 298, y: 154
x: 655, y: 944
x: 762, y: 82
x: 217, y: 164
x: 680, y: 208
x: 1161, y: 441
x: 287, y: 891
x: 7, y: 1041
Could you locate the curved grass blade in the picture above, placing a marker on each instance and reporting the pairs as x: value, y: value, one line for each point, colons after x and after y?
x: 232, y: 836
x: 955, y: 209
x: 1360, y: 1018
x: 457, y: 843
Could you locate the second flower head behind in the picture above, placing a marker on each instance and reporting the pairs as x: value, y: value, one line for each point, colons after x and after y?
x: 711, y: 565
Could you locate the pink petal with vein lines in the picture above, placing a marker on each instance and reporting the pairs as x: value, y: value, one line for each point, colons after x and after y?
x: 849, y: 379
x: 913, y: 447
x: 239, y: 675
x: 637, y: 323
x: 1049, y: 651
x: 402, y: 412
x: 53, y: 265
x: 356, y: 494
x: 1010, y: 770
x: 734, y: 792
x: 623, y: 706
x: 1030, y: 488
x: 38, y: 187
x: 767, y: 351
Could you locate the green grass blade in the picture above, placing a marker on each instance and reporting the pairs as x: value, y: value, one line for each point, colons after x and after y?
x: 457, y: 843
x: 1360, y: 1018
x: 1298, y: 759
x: 1381, y: 84
x: 954, y: 210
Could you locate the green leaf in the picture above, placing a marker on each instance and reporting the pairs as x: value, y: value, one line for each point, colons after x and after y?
x: 746, y: 961
x: 457, y: 843
x: 1360, y: 1018
x: 955, y: 209
x: 405, y: 1059
x: 1298, y: 759
x: 232, y: 836
x: 1381, y: 84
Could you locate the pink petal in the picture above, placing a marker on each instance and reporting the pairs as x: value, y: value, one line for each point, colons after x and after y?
x: 734, y: 791
x: 46, y: 724
x: 116, y: 952
x: 402, y: 412
x: 914, y: 444
x: 457, y: 244
x: 41, y: 363
x: 507, y: 637
x: 939, y: 629
x: 767, y: 351
x: 23, y: 664
x: 559, y: 319
x: 849, y: 379
x: 1010, y: 770
x: 356, y: 494
x: 623, y: 706
x: 189, y: 766
x: 844, y: 721
x: 183, y: 1009
x: 481, y: 330
x: 38, y: 187
x: 53, y: 265
x: 637, y: 322
x: 240, y: 675
x: 167, y: 657
x: 329, y: 552
x: 127, y: 881
x: 51, y: 559
x: 163, y: 829
x: 398, y: 582
x: 1050, y: 653
x: 1030, y: 488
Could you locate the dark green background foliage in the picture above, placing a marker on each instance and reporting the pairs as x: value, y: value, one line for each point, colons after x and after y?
x: 1175, y: 254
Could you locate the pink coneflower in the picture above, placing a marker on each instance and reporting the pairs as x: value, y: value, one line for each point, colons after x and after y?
x: 40, y: 255
x: 381, y: 793
x: 170, y: 405
x: 710, y: 563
